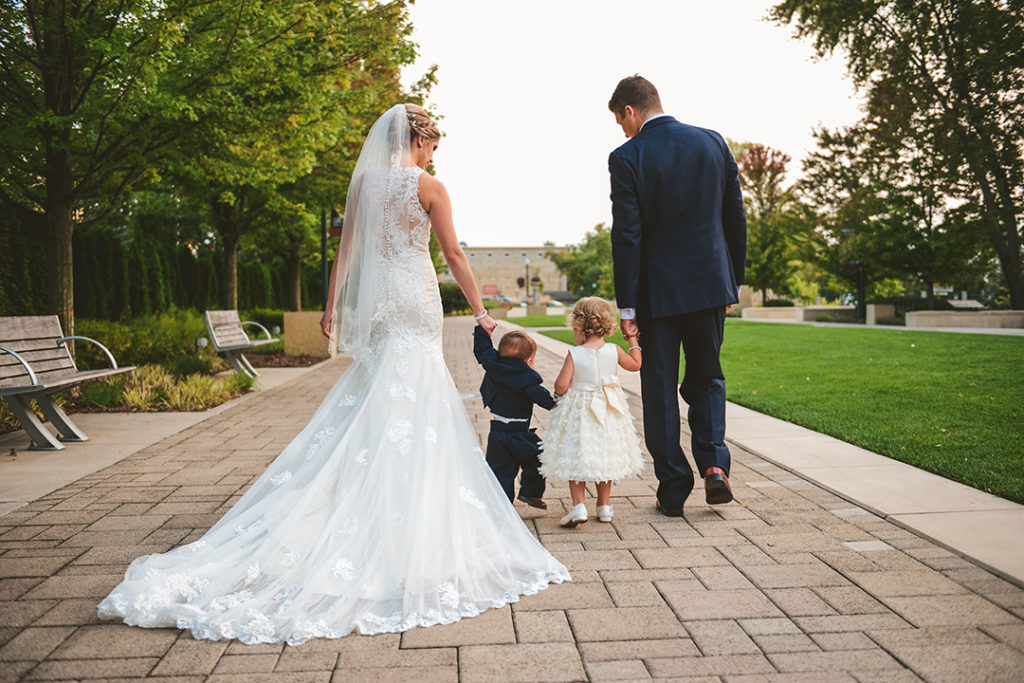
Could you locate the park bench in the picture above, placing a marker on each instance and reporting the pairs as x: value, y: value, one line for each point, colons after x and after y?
x: 230, y: 340
x: 35, y: 363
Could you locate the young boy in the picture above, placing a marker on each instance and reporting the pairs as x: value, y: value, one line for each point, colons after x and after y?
x: 510, y: 388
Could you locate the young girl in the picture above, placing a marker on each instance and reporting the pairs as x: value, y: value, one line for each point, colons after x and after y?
x: 591, y: 436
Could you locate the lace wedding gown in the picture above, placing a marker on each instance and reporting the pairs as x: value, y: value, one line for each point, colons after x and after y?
x: 381, y: 515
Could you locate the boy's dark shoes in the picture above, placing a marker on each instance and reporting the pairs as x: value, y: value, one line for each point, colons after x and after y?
x: 534, y: 502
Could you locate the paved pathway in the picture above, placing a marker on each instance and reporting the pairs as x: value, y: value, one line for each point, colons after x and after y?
x: 789, y: 583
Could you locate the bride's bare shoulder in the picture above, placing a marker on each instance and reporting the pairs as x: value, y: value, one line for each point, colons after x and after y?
x: 431, y: 190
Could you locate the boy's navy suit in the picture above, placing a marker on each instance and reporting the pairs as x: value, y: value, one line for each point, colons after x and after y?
x: 510, y: 389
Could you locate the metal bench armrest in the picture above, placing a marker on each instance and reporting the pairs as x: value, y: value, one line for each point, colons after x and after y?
x: 113, y: 363
x: 31, y: 375
x: 252, y: 322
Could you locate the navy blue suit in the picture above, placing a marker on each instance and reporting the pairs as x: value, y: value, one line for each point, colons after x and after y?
x: 679, y: 247
x: 510, y: 388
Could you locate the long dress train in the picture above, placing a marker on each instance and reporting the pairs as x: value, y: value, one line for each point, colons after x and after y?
x: 381, y: 515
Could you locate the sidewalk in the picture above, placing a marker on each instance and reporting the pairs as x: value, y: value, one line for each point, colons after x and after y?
x: 792, y: 582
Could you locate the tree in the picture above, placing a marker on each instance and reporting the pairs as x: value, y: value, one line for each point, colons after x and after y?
x: 884, y: 206
x: 777, y: 224
x: 588, y: 265
x: 949, y: 76
x: 322, y: 75
x: 91, y: 93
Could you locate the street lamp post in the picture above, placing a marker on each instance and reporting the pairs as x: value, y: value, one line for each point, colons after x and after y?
x: 526, y: 281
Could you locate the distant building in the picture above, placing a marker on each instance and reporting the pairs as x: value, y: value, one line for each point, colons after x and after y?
x: 496, y: 270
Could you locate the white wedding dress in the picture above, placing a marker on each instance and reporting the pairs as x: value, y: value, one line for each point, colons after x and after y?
x: 381, y: 515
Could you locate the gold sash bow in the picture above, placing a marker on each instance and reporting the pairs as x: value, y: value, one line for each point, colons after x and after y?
x: 608, y: 396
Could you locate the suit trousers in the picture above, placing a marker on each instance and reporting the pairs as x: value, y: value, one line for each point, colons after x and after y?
x: 511, y: 448
x: 703, y: 388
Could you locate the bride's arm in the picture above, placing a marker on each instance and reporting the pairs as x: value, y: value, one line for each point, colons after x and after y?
x: 434, y: 198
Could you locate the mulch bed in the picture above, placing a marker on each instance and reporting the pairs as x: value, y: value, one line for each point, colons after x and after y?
x: 278, y: 359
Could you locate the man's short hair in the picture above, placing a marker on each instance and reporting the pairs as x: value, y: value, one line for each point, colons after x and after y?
x: 637, y: 92
x: 517, y: 344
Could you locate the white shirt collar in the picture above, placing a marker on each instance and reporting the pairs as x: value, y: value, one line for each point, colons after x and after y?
x: 656, y: 116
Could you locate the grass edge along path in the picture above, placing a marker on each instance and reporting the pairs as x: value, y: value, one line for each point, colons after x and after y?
x: 949, y: 403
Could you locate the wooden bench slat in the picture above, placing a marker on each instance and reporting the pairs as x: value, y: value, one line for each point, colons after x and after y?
x: 33, y: 357
x: 25, y: 345
x: 67, y: 381
x: 38, y: 367
x: 29, y: 327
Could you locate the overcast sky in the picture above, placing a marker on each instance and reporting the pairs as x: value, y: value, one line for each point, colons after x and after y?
x: 523, y: 88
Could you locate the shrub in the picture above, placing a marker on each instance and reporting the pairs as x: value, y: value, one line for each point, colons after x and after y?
x: 147, y: 339
x: 891, y: 321
x: 734, y: 312
x: 268, y: 317
x: 825, y: 318
x: 778, y: 303
x: 453, y: 301
x: 103, y: 392
x: 191, y: 365
x: 238, y: 383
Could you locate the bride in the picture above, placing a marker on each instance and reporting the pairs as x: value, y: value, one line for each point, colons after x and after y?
x: 381, y: 515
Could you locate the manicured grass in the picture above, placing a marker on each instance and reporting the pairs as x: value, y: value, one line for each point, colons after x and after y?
x: 540, y: 321
x: 948, y: 403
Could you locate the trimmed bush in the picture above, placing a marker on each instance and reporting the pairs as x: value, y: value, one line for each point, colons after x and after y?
x: 453, y: 301
x: 190, y: 365
x: 778, y: 303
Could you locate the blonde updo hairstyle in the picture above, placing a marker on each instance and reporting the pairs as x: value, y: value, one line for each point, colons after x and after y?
x: 420, y: 123
x: 592, y: 316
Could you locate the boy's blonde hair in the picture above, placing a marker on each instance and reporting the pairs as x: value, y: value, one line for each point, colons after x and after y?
x: 592, y: 316
x: 517, y: 344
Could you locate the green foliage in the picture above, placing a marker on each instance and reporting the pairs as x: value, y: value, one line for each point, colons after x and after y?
x: 147, y: 339
x: 190, y: 365
x: 942, y: 138
x: 588, y: 265
x: 103, y: 393
x: 778, y: 303
x: 453, y: 301
x: 778, y: 225
x: 238, y: 383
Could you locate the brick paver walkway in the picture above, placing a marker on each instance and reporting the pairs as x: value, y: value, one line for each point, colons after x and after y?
x: 789, y: 583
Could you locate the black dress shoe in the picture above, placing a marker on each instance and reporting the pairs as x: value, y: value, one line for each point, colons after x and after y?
x: 534, y: 502
x: 716, y: 487
x: 668, y: 512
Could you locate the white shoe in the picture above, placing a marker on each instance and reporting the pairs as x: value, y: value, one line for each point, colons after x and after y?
x: 578, y: 515
x: 604, y: 513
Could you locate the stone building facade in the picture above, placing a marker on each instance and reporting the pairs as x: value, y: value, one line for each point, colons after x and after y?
x: 496, y: 270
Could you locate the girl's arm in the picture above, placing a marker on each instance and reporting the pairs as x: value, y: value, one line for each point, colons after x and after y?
x: 630, y: 362
x: 565, y: 376
x: 434, y: 198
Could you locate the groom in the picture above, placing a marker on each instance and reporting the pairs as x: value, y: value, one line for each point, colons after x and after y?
x: 679, y: 244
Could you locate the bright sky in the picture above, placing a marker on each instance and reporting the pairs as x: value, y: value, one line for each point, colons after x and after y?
x: 523, y: 88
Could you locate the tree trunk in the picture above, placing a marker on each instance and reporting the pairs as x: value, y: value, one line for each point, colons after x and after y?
x: 294, y: 262
x: 229, y: 292
x: 929, y: 292
x: 60, y: 228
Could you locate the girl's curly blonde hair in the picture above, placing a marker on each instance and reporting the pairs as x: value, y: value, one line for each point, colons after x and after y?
x: 592, y: 316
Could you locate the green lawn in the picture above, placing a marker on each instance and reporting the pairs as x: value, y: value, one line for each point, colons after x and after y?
x: 540, y: 321
x: 949, y: 403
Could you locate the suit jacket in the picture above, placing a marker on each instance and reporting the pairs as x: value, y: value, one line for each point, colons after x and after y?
x: 679, y: 232
x: 510, y: 386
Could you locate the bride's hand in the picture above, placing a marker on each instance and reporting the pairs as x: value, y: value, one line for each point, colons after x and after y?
x: 325, y: 324
x: 487, y: 322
